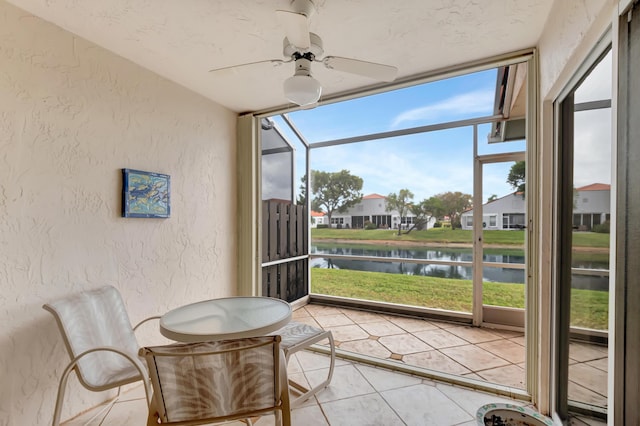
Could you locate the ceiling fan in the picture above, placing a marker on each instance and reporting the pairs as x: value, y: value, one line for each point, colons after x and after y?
x: 303, y: 48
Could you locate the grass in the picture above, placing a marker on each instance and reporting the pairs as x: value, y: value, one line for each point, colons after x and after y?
x: 448, y: 236
x: 589, y: 308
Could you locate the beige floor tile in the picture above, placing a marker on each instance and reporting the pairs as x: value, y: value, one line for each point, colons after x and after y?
x: 382, y: 379
x: 300, y: 379
x: 133, y: 412
x: 586, y: 421
x: 591, y: 378
x: 469, y: 400
x: 600, y: 364
x: 585, y: 352
x: 366, y: 347
x: 412, y: 324
x: 345, y: 333
x: 582, y: 394
x: 439, y: 338
x: 310, y: 321
x: 319, y: 310
x: 509, y: 375
x: 361, y: 317
x: 519, y: 340
x: 506, y: 349
x: 310, y: 415
x: 474, y: 358
x: 293, y: 366
x: 312, y: 361
x: 132, y: 399
x: 333, y: 320
x: 381, y: 328
x: 404, y: 344
x: 300, y: 313
x: 425, y: 405
x: 437, y: 361
x: 507, y: 334
x: 347, y: 382
x: 473, y: 376
x: 445, y: 324
x: 369, y: 410
x: 474, y: 334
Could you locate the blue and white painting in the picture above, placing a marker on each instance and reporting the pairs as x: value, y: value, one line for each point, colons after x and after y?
x: 145, y: 194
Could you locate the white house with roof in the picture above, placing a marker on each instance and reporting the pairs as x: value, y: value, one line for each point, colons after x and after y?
x: 373, y: 208
x: 502, y: 213
x: 318, y: 218
x: 591, y: 207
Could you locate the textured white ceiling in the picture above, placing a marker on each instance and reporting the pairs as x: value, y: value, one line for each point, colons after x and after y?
x: 183, y: 39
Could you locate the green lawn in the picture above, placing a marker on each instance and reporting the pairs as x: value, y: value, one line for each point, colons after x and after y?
x: 588, y: 308
x: 447, y: 235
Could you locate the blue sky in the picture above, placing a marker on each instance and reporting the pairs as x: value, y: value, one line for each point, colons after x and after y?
x: 435, y: 162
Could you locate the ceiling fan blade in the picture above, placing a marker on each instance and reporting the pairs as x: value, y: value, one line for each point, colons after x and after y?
x: 233, y: 69
x: 296, y: 28
x: 367, y: 69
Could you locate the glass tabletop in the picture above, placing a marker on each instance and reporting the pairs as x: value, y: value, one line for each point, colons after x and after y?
x: 225, y: 318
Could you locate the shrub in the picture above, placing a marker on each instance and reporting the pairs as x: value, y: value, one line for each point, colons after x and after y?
x: 322, y: 226
x: 437, y: 225
x: 368, y: 225
x: 603, y: 228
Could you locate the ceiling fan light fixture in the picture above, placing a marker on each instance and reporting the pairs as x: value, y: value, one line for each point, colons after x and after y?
x: 302, y: 89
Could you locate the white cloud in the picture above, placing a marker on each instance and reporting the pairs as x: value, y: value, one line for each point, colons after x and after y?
x: 479, y: 101
x: 592, y: 147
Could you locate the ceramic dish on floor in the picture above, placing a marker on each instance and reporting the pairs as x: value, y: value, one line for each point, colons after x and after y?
x: 500, y: 414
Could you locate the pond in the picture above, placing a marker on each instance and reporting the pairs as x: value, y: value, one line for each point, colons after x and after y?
x: 490, y: 274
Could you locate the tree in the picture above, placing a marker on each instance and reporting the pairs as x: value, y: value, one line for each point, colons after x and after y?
x: 401, y: 202
x: 516, y: 177
x: 453, y: 204
x: 425, y: 210
x: 335, y: 191
x: 302, y: 196
x: 493, y: 197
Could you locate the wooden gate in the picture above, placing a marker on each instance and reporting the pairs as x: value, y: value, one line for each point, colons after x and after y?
x: 284, y: 236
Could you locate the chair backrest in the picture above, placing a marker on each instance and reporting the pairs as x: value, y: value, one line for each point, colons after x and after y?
x: 94, y: 319
x: 222, y: 380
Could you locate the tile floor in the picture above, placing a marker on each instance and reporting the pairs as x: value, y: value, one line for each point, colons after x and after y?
x: 496, y: 356
x: 361, y: 394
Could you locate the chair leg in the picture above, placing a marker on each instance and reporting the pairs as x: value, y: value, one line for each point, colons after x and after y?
x: 61, y: 390
x: 308, y: 393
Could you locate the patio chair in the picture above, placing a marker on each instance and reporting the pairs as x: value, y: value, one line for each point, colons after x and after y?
x: 297, y: 336
x: 100, y: 341
x: 198, y: 383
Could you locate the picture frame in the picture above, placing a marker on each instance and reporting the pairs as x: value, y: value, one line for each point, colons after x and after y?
x: 145, y: 194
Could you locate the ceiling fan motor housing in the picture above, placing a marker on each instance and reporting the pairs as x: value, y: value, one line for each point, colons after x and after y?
x: 289, y: 50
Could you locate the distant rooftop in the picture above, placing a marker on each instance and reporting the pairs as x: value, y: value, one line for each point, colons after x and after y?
x: 595, y: 187
x: 373, y: 196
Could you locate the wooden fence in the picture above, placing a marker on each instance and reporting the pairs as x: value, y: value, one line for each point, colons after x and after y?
x: 284, y: 235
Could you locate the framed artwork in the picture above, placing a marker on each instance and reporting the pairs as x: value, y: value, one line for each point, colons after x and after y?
x: 145, y: 194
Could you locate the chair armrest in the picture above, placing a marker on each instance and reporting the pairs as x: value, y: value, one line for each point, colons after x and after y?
x: 137, y: 363
x: 146, y: 320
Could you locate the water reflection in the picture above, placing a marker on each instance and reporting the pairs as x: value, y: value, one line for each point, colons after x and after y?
x: 490, y: 274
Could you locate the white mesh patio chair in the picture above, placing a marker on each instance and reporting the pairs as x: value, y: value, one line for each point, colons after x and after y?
x: 100, y: 341
x: 198, y: 383
x: 297, y: 336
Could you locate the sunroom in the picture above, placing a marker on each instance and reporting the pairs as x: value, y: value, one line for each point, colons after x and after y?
x: 543, y: 312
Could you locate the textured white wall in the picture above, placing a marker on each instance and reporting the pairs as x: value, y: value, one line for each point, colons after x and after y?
x: 71, y: 116
x: 570, y: 33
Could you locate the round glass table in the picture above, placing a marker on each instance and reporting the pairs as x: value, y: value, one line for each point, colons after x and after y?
x: 225, y: 318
